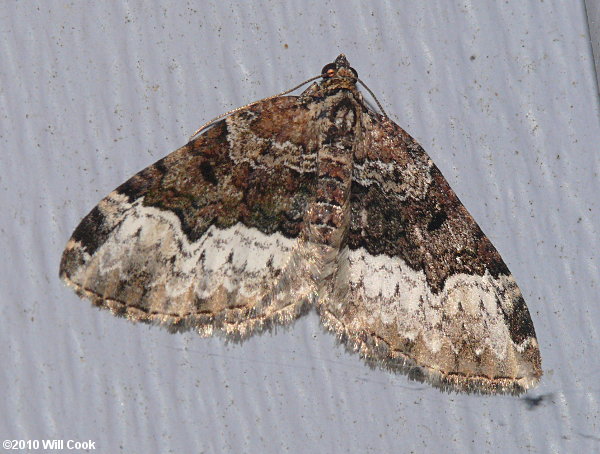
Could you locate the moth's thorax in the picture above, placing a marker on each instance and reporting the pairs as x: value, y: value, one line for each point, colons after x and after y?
x: 338, y: 124
x: 340, y: 83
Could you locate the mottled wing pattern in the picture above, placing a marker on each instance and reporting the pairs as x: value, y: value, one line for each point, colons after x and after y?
x: 303, y: 200
x: 210, y: 236
x: 421, y: 288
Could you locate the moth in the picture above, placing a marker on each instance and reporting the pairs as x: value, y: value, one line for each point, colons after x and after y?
x: 306, y: 201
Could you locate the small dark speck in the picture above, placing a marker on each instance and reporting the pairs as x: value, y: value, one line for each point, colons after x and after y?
x: 473, y: 57
x: 533, y: 402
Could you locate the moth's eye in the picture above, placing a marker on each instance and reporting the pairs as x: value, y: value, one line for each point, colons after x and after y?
x: 328, y: 70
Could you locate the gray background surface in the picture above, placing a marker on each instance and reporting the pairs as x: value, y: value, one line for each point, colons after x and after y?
x: 501, y: 94
x: 592, y: 9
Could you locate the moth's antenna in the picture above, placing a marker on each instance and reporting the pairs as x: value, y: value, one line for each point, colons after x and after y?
x: 226, y: 114
x: 374, y: 97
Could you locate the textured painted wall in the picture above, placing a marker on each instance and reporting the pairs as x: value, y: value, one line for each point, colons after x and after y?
x: 501, y: 94
x: 592, y: 9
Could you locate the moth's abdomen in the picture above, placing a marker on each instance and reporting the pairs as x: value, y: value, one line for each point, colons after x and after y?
x: 328, y: 216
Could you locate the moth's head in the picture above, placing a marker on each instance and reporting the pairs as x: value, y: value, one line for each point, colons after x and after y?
x: 339, y: 68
